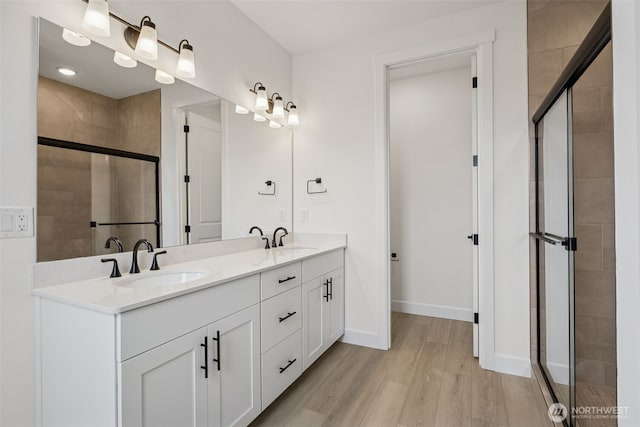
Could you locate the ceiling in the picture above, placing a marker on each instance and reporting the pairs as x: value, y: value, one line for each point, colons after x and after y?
x: 305, y: 25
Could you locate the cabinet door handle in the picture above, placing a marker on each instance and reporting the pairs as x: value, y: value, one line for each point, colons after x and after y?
x: 290, y: 362
x: 287, y: 279
x: 282, y: 319
x: 206, y: 357
x: 326, y: 295
x: 330, y: 287
x: 217, y: 340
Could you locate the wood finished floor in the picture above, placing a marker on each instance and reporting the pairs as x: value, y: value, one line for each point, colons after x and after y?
x: 428, y: 378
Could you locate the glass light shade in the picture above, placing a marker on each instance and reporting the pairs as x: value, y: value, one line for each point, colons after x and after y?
x: 147, y: 45
x: 278, y: 109
x: 124, y: 60
x: 241, y: 110
x: 96, y: 18
x: 66, y: 71
x: 262, y: 103
x: 274, y: 125
x: 258, y: 118
x: 164, y: 78
x: 74, y: 38
x: 293, y: 116
x: 186, y: 64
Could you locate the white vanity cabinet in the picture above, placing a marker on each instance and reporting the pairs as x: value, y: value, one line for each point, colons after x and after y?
x: 322, y: 305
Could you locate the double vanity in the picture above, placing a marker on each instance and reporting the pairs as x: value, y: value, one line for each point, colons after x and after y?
x: 206, y: 342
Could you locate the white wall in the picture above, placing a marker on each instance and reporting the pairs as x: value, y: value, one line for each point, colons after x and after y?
x: 626, y: 107
x: 335, y: 89
x: 430, y: 193
x: 227, y: 66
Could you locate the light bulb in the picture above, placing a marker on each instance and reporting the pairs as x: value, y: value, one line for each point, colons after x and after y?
x: 274, y: 125
x: 124, y: 60
x: 147, y: 45
x: 66, y: 71
x: 241, y: 110
x: 258, y: 118
x: 293, y: 116
x: 164, y: 78
x: 262, y: 103
x: 74, y: 38
x: 96, y: 18
x: 278, y: 108
x: 186, y: 63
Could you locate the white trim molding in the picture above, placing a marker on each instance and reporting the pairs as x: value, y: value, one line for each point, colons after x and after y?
x: 432, y: 310
x: 482, y: 45
x: 512, y: 365
x: 362, y: 338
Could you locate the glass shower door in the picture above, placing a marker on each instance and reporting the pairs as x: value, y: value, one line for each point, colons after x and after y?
x: 555, y: 249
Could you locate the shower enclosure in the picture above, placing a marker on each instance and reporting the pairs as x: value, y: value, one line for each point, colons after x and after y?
x: 574, y: 235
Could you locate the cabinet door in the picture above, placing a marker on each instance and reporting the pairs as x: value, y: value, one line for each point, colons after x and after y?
x: 314, y: 320
x: 234, y: 362
x: 165, y: 386
x: 335, y: 315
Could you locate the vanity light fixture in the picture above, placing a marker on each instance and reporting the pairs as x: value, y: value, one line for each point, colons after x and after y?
x: 147, y: 44
x: 293, y: 119
x: 74, y: 38
x: 241, y: 110
x: 164, y: 78
x: 274, y: 125
x: 124, y: 60
x: 278, y: 106
x: 66, y: 71
x: 186, y: 64
x: 262, y: 101
x: 96, y: 18
x: 258, y: 118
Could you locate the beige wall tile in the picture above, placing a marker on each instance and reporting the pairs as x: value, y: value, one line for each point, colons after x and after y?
x: 593, y: 155
x: 595, y: 293
x: 608, y: 247
x: 544, y: 69
x: 595, y: 338
x: 593, y: 201
x: 589, y: 371
x: 589, y: 254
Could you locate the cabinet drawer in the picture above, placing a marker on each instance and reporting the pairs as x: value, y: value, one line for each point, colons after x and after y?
x: 280, y: 317
x: 317, y: 266
x: 280, y: 367
x: 144, y: 328
x: 278, y: 280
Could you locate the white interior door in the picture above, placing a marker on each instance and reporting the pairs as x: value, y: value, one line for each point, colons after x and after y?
x: 204, y: 163
x: 474, y: 204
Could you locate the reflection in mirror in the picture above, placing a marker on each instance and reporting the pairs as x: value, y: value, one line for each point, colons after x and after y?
x: 99, y: 133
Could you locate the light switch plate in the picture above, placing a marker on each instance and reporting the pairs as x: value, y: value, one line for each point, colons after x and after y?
x: 16, y: 223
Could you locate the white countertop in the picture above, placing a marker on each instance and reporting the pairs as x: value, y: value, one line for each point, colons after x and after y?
x: 114, y: 296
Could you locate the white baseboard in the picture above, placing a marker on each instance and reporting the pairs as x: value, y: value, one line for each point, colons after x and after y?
x: 442, y: 311
x: 362, y: 338
x: 512, y: 365
x: 559, y: 372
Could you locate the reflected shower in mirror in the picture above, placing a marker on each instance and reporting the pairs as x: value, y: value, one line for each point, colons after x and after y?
x: 120, y: 154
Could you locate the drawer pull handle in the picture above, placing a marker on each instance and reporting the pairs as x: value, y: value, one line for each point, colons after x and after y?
x: 217, y: 340
x: 282, y: 319
x: 326, y: 296
x: 291, y: 362
x: 330, y: 287
x: 287, y: 279
x: 206, y: 357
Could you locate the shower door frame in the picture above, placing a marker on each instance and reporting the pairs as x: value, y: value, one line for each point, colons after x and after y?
x: 596, y: 40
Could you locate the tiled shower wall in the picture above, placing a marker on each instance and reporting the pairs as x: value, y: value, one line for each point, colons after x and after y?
x: 68, y: 179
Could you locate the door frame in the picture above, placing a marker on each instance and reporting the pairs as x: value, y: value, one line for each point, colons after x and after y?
x: 482, y: 45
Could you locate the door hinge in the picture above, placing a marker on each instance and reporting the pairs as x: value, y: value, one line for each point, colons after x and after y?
x: 475, y: 318
x: 571, y: 244
x: 474, y: 82
x: 475, y: 239
x: 187, y: 178
x: 186, y: 128
x: 475, y: 160
x: 187, y: 229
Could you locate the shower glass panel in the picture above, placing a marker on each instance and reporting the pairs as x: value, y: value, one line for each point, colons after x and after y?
x: 555, y: 225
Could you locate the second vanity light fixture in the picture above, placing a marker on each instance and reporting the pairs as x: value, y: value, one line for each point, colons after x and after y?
x: 143, y: 39
x: 274, y: 106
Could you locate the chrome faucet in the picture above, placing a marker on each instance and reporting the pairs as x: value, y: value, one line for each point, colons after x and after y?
x: 134, y: 263
x: 115, y: 240
x: 273, y: 244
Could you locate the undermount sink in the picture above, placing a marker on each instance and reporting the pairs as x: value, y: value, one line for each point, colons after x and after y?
x: 163, y: 279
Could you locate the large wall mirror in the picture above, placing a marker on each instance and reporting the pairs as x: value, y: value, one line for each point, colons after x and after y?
x: 122, y: 155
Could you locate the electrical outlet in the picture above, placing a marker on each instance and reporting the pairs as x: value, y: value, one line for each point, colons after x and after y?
x: 305, y: 215
x: 16, y: 222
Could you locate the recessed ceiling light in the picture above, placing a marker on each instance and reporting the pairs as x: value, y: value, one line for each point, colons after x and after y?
x: 74, y: 38
x: 66, y: 71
